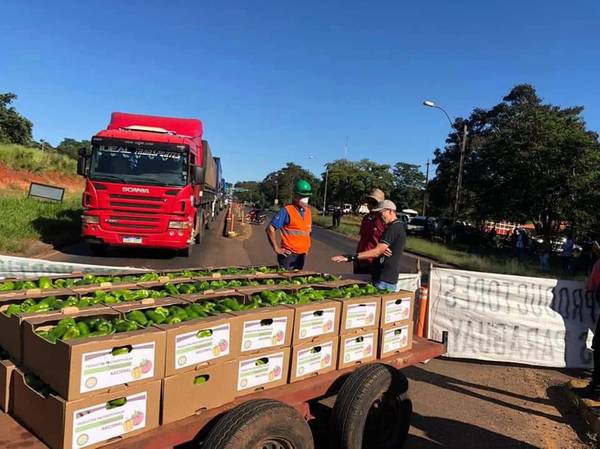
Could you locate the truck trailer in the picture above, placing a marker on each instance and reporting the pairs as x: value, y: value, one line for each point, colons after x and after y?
x: 150, y: 182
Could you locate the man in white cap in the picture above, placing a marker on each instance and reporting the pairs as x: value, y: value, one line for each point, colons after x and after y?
x: 387, y: 253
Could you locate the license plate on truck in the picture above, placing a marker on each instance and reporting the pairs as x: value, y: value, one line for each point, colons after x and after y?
x: 132, y: 240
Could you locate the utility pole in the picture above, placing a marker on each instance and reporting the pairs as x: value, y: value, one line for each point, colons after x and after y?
x: 463, y: 144
x: 276, y: 192
x: 425, y: 191
x: 325, y: 190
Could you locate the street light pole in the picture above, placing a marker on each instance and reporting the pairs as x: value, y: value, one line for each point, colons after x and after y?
x: 425, y: 191
x: 463, y: 144
x: 276, y: 192
x: 325, y: 190
x: 462, y: 140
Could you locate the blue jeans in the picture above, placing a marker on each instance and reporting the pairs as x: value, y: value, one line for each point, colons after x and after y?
x: 382, y: 285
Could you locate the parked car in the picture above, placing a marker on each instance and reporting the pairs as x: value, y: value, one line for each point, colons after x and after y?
x: 421, y: 225
x: 556, y: 243
x: 347, y: 208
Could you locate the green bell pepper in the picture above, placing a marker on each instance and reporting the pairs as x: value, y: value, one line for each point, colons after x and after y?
x: 45, y: 282
x: 138, y: 317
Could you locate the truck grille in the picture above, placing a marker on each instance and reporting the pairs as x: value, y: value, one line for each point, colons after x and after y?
x: 125, y: 222
x: 128, y: 202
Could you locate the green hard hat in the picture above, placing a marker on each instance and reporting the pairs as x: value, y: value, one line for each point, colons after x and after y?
x: 303, y: 188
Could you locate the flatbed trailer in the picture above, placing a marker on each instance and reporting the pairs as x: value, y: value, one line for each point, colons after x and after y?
x: 298, y: 395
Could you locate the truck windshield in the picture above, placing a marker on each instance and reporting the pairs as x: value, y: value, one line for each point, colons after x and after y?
x: 138, y: 165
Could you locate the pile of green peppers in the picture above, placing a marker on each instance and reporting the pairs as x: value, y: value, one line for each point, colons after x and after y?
x: 110, y: 297
x: 69, y: 328
x: 45, y: 282
x: 52, y: 303
x: 308, y: 295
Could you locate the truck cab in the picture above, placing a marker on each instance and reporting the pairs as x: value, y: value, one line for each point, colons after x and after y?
x: 150, y: 182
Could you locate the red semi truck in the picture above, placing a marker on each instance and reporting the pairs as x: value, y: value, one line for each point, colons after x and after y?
x: 150, y: 182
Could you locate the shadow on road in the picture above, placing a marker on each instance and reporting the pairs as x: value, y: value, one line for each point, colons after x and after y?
x: 557, y: 395
x: 448, y: 433
x: 462, y: 387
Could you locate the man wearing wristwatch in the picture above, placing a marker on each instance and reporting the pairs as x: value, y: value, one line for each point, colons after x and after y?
x: 388, y: 252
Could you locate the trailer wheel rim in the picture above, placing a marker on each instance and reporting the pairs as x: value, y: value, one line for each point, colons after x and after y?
x: 275, y: 443
x: 382, y: 420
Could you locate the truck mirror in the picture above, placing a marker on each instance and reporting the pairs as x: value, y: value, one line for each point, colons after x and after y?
x: 81, y: 163
x: 198, y: 174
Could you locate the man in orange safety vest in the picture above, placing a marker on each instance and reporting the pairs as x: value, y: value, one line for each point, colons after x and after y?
x: 294, y: 222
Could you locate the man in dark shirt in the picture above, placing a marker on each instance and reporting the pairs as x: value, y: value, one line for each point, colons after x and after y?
x: 388, y: 251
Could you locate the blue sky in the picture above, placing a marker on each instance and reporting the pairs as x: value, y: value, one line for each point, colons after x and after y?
x: 277, y: 81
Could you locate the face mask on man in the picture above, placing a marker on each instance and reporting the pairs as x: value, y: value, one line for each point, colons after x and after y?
x: 303, y: 201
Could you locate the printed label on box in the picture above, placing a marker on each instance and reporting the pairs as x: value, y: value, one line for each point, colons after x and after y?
x: 108, y: 420
x: 258, y: 334
x: 313, y: 359
x: 397, y: 310
x: 109, y: 367
x: 260, y: 371
x: 395, y: 339
x: 201, y: 346
x: 358, y: 348
x: 317, y: 322
x: 361, y: 315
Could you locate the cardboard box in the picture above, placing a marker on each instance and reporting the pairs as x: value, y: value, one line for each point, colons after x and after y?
x: 205, y: 341
x: 183, y: 396
x: 393, y: 340
x: 262, y: 371
x: 86, y: 366
x: 265, y: 328
x: 397, y: 308
x: 87, y: 423
x: 360, y: 347
x: 6, y: 399
x: 316, y: 321
x: 10, y: 327
x: 314, y: 358
x: 360, y: 313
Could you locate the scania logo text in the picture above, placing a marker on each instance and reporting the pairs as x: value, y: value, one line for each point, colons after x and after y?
x: 136, y: 190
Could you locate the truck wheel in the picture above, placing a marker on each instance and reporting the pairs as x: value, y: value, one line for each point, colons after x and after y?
x: 260, y: 424
x: 98, y: 249
x: 372, y: 410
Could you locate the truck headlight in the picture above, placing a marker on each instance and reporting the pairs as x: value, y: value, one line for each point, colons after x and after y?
x: 90, y: 219
x: 179, y: 224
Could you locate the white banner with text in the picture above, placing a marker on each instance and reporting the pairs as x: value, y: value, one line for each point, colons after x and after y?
x: 516, y: 319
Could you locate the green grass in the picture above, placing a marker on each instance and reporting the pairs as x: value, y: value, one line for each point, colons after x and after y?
x: 36, y: 160
x: 458, y: 257
x: 27, y: 220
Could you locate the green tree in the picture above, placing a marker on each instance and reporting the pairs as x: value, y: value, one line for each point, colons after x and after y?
x: 348, y: 181
x: 525, y: 161
x: 249, y: 191
x: 14, y: 128
x: 409, y: 186
x: 70, y: 147
x: 282, y: 182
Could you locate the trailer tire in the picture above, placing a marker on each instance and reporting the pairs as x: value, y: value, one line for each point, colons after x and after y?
x: 372, y: 409
x: 260, y: 423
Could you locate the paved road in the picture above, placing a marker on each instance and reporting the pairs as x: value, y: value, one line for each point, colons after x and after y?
x: 216, y: 250
x: 457, y: 404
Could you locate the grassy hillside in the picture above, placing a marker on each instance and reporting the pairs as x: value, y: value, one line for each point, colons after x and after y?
x: 35, y: 160
x: 26, y: 221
